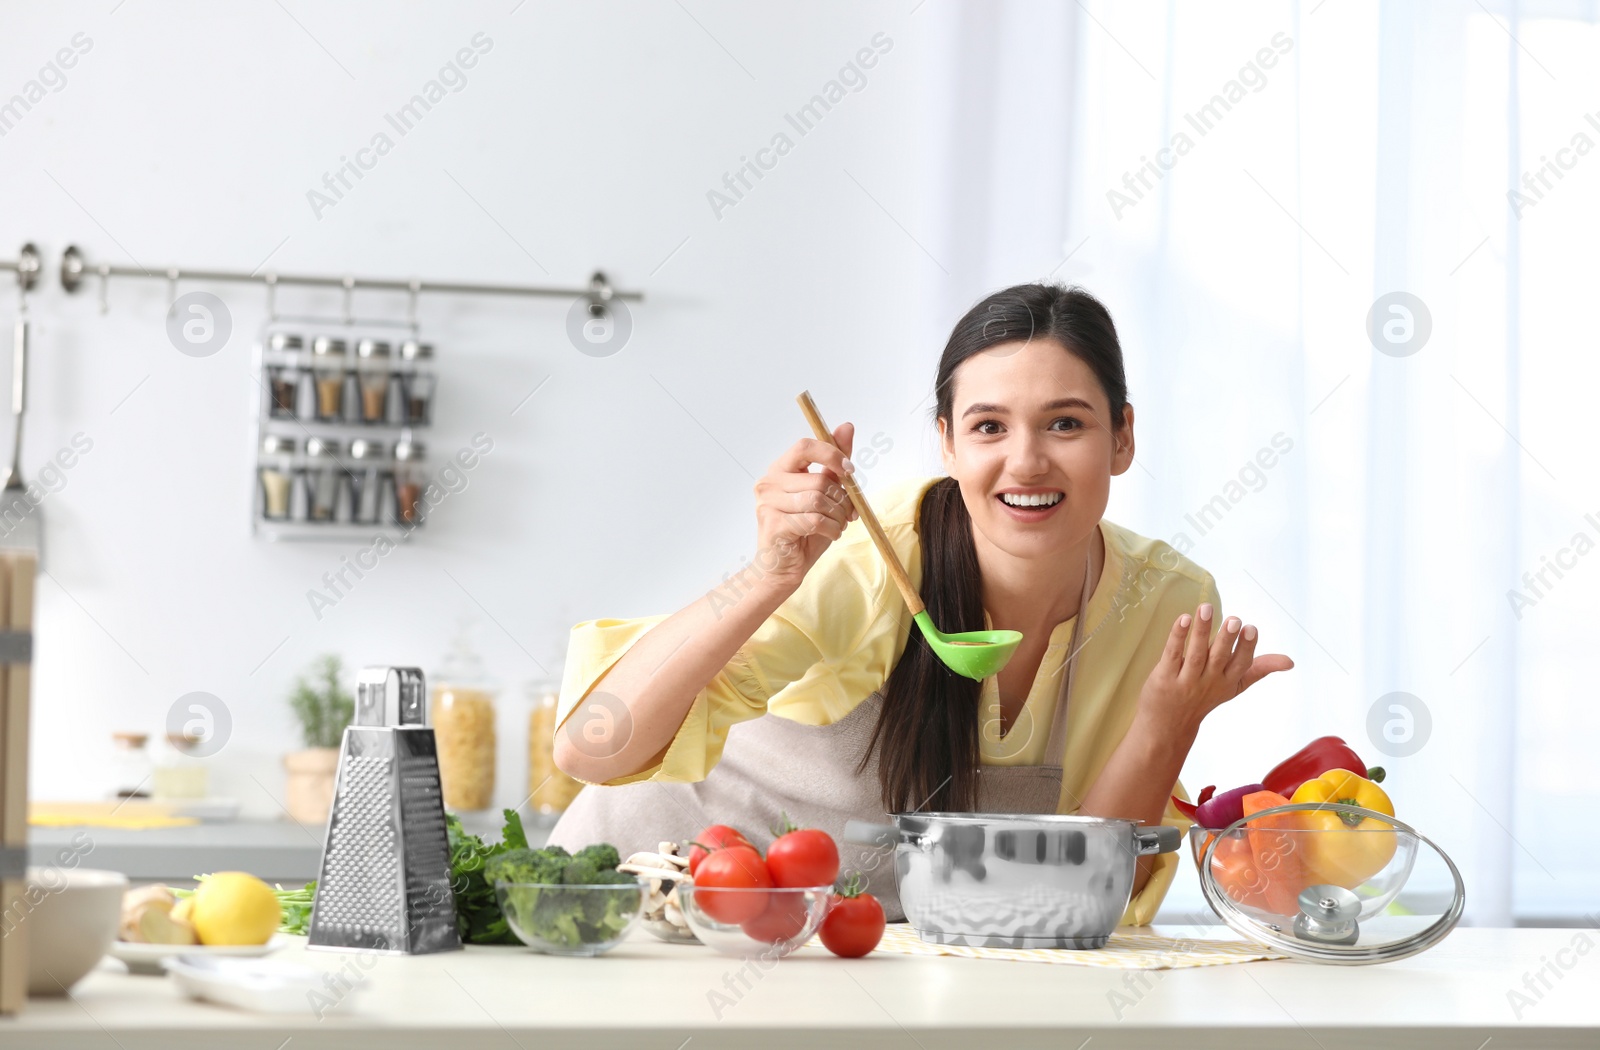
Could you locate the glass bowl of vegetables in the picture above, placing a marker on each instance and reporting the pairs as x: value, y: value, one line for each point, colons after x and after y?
x: 567, y: 904
x: 564, y: 919
x: 1265, y: 864
x: 765, y: 922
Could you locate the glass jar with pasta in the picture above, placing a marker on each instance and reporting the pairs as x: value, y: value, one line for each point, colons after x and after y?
x: 550, y: 791
x: 462, y: 713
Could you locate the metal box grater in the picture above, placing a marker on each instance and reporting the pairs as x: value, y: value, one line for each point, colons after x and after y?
x: 385, y: 877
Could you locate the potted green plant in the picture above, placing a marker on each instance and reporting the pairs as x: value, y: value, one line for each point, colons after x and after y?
x: 324, y: 707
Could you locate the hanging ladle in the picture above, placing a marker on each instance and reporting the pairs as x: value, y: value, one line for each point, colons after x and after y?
x: 974, y: 654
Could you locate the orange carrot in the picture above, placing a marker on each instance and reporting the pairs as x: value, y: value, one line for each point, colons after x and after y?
x: 1274, y: 843
x: 1233, y: 867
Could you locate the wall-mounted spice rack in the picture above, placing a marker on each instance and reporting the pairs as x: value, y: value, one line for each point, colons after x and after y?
x: 335, y: 451
x: 336, y: 407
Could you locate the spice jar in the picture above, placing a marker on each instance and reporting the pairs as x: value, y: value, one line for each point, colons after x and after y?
x: 130, y: 766
x: 324, y: 479
x: 462, y: 713
x: 328, y: 367
x: 372, y: 373
x: 369, y: 471
x: 417, y: 380
x: 409, y: 481
x: 285, y: 370
x: 550, y: 791
x: 276, y: 469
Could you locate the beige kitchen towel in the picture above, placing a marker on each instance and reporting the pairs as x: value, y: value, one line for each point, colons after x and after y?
x: 1130, y: 948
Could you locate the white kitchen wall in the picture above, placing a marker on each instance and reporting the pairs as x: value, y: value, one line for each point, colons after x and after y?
x: 587, y: 136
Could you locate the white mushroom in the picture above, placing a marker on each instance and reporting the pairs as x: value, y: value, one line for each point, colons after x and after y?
x: 639, y: 863
x: 660, y: 869
x: 673, y: 909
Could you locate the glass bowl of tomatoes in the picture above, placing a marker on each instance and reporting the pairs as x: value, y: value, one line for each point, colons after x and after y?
x: 765, y: 922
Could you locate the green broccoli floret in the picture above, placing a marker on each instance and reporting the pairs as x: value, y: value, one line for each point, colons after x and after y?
x: 602, y: 854
x: 608, y: 913
x: 565, y: 917
x: 580, y: 871
x: 559, y: 925
x: 527, y: 865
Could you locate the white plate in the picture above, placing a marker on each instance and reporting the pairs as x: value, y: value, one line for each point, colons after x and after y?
x: 148, y: 958
x: 259, y: 985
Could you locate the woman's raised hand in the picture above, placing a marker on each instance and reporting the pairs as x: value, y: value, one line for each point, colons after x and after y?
x: 798, y: 511
x: 1196, y: 674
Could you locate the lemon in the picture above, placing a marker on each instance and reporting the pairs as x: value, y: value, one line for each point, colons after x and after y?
x: 232, y: 907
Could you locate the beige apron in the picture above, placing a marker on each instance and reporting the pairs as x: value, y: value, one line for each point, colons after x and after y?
x: 772, y: 766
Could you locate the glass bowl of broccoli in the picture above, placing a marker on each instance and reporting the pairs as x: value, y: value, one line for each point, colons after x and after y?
x: 566, y: 903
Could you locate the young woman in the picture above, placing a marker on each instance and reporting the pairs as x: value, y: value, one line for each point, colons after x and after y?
x: 1124, y: 650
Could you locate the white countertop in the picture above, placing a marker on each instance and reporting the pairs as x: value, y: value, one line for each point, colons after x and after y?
x: 647, y: 995
x: 275, y: 850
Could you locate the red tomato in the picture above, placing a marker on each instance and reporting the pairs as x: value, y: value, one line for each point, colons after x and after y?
x: 854, y: 925
x: 784, y: 918
x: 740, y: 870
x: 713, y: 838
x: 806, y: 857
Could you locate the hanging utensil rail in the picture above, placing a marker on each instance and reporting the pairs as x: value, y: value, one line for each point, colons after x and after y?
x: 26, y: 266
x: 75, y: 269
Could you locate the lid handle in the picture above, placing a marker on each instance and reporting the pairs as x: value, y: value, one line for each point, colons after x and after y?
x: 1162, y: 838
x: 1328, y: 914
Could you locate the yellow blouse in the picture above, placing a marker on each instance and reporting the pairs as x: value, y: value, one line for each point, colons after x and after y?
x: 835, y: 640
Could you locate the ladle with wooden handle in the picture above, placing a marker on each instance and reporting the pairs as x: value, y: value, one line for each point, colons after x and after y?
x: 974, y: 654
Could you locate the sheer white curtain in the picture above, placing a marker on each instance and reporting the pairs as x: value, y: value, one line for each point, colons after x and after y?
x: 1358, y: 366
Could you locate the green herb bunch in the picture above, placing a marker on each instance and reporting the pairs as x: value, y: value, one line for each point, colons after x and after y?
x: 323, y: 705
x: 477, y: 909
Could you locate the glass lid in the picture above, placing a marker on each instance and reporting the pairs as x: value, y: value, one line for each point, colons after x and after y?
x: 1329, y: 882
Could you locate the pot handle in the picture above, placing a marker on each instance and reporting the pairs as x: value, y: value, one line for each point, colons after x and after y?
x: 1163, y: 838
x: 866, y: 833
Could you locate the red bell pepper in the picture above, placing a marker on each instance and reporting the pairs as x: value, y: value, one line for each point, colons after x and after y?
x: 1313, y: 760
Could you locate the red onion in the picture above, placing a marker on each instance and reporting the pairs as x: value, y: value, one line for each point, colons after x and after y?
x: 1221, y: 810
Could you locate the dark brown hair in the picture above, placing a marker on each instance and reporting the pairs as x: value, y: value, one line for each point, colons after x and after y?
x: 927, y: 733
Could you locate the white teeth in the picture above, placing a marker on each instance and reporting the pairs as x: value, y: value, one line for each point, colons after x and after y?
x: 1040, y: 500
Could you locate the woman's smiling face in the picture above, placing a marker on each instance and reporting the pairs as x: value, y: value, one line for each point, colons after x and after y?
x: 1031, y: 421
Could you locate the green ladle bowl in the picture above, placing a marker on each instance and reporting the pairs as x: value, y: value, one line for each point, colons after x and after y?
x: 973, y: 654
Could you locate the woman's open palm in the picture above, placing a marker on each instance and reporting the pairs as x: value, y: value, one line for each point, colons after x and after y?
x: 1197, y: 674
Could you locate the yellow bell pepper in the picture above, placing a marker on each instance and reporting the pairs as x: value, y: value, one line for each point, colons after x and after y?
x: 1349, y: 848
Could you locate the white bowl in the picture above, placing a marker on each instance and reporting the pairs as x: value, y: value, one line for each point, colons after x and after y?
x: 70, y: 916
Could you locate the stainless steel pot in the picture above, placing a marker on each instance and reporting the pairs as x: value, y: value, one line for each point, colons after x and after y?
x: 1014, y: 881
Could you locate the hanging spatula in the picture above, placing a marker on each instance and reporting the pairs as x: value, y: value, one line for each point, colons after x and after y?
x: 19, y: 516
